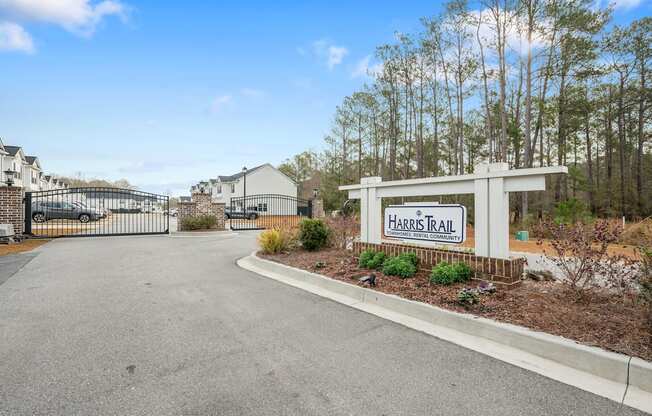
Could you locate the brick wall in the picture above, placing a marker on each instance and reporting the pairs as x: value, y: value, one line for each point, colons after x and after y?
x: 499, y: 271
x: 11, y: 207
x: 201, y: 205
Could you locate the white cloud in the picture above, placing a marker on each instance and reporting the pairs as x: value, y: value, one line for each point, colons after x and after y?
x: 252, y: 92
x: 336, y: 55
x: 14, y: 38
x: 220, y: 102
x: 364, y: 68
x: 77, y: 16
x: 333, y: 54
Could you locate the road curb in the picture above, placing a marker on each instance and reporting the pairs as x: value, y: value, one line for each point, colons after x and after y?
x: 621, y: 378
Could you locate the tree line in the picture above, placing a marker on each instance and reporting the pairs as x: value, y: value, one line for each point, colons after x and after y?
x: 526, y: 82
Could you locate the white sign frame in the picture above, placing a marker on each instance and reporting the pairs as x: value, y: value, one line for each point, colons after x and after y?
x: 490, y: 184
x: 461, y: 222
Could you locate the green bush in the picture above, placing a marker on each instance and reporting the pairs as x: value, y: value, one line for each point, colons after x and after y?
x: 467, y: 297
x: 275, y: 240
x: 571, y: 211
x: 401, y: 266
x: 201, y: 222
x: 447, y: 274
x: 313, y: 234
x: 411, y: 257
x: 369, y: 259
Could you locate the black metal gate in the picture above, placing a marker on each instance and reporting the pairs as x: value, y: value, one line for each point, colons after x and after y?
x: 95, y: 211
x: 257, y: 212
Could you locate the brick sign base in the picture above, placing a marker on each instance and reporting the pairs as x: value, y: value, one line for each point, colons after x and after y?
x: 499, y: 271
x: 201, y: 205
x: 11, y: 207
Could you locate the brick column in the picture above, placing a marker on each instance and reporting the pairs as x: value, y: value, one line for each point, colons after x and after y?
x: 201, y: 204
x: 318, y: 208
x: 11, y: 207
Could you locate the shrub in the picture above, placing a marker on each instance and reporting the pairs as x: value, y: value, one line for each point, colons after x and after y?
x: 399, y: 266
x: 275, y: 240
x: 468, y: 297
x: 313, y: 234
x: 571, y: 211
x: 447, y: 274
x: 200, y: 222
x: 411, y: 257
x: 580, y: 252
x: 369, y: 259
x: 343, y: 229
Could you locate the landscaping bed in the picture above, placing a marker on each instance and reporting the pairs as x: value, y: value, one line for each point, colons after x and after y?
x: 604, y: 319
x: 23, y: 246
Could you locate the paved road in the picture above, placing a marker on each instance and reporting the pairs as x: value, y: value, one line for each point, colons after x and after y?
x: 163, y: 325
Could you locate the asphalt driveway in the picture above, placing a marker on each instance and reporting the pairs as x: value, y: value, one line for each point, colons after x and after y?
x: 171, y: 326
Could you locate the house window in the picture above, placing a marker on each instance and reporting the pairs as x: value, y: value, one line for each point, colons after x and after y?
x: 262, y: 207
x: 219, y: 189
x: 232, y: 188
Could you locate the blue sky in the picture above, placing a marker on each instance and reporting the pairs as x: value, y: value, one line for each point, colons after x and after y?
x: 165, y: 93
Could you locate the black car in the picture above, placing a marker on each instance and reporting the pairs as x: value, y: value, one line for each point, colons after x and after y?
x: 53, y: 210
x: 240, y: 214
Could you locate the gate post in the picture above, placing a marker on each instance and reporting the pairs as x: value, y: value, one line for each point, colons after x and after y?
x: 310, y: 207
x: 28, y: 213
x: 11, y: 209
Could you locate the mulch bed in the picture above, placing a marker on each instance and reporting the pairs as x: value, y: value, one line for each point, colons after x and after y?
x: 25, y: 245
x: 604, y: 320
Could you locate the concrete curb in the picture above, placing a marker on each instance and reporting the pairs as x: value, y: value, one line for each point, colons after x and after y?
x: 621, y: 378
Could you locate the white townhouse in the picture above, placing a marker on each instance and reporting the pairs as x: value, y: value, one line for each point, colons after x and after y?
x: 15, y: 162
x: 47, y: 182
x: 4, y: 163
x: 32, y: 174
x: 264, y: 184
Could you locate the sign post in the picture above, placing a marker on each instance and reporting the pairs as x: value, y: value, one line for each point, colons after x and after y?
x: 490, y: 184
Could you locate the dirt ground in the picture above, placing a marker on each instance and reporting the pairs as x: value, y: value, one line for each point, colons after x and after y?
x: 26, y: 245
x: 605, y: 320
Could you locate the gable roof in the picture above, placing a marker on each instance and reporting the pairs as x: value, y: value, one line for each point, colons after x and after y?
x: 33, y: 160
x: 13, y: 150
x: 2, y: 148
x: 233, y: 178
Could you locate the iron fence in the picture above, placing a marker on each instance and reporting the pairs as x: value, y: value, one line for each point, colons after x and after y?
x: 95, y: 211
x: 262, y: 211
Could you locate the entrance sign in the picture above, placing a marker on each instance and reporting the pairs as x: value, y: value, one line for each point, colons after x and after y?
x: 490, y: 184
x: 434, y: 223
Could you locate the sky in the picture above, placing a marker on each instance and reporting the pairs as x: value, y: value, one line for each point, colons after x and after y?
x: 166, y: 93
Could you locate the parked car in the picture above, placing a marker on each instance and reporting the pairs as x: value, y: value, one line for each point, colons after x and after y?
x: 172, y: 213
x: 103, y: 212
x: 240, y: 214
x: 53, y: 210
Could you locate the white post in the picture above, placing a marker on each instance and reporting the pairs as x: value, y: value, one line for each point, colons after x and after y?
x: 370, y: 211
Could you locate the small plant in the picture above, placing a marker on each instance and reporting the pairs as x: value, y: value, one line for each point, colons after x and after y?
x: 447, y: 274
x: 370, y: 259
x: 313, y: 234
x: 343, y: 229
x: 400, y: 266
x: 320, y: 265
x: 468, y: 297
x: 580, y: 252
x: 200, y: 222
x: 411, y: 257
x: 275, y: 240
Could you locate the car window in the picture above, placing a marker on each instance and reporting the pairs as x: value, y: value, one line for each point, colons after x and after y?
x: 67, y: 205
